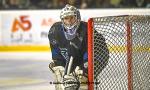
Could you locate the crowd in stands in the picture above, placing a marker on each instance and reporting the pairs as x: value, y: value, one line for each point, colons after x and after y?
x: 81, y: 4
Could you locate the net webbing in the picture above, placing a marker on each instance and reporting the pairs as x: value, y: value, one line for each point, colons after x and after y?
x: 121, y: 56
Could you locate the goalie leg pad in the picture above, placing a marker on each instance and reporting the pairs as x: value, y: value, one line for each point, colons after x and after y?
x: 59, y: 72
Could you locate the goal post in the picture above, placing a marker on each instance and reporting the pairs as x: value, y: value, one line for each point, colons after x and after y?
x: 90, y: 55
x: 119, y: 53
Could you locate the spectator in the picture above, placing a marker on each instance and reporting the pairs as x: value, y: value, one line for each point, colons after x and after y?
x: 34, y: 4
x: 1, y: 5
x: 128, y: 3
x: 81, y: 4
x: 76, y: 3
x: 91, y: 3
x: 148, y: 4
x: 13, y: 4
x: 84, y: 4
x: 141, y: 3
x: 58, y: 4
x: 49, y: 4
x: 103, y: 4
x: 115, y: 3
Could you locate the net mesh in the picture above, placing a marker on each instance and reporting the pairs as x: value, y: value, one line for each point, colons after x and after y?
x: 110, y: 53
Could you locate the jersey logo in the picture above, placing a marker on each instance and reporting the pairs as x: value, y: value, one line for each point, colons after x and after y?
x: 64, y: 53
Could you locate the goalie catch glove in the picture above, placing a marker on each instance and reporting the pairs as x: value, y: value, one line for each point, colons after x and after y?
x: 70, y: 83
x: 79, y: 72
x: 82, y: 78
x: 81, y: 75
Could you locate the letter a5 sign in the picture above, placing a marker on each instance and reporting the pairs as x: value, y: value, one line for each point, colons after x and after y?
x: 22, y: 23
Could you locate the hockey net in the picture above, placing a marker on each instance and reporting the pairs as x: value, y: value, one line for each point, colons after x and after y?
x: 128, y: 42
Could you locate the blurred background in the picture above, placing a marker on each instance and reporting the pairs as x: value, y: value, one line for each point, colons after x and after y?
x: 82, y: 4
x: 24, y: 46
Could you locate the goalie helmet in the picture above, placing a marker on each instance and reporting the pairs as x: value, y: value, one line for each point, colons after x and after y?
x: 69, y: 10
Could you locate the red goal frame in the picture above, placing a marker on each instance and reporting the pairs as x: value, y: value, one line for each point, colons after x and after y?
x: 90, y: 55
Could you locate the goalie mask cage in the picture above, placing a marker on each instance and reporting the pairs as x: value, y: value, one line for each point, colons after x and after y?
x: 128, y: 42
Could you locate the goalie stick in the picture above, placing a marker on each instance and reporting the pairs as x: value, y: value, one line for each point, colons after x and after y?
x: 68, y: 66
x: 70, y: 80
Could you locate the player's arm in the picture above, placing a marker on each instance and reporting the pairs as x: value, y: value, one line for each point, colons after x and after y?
x: 56, y: 54
x: 85, y: 54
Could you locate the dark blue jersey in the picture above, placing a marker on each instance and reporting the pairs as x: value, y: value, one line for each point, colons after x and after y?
x: 63, y: 48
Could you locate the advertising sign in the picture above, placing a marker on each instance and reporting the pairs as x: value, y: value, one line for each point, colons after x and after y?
x: 25, y: 28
